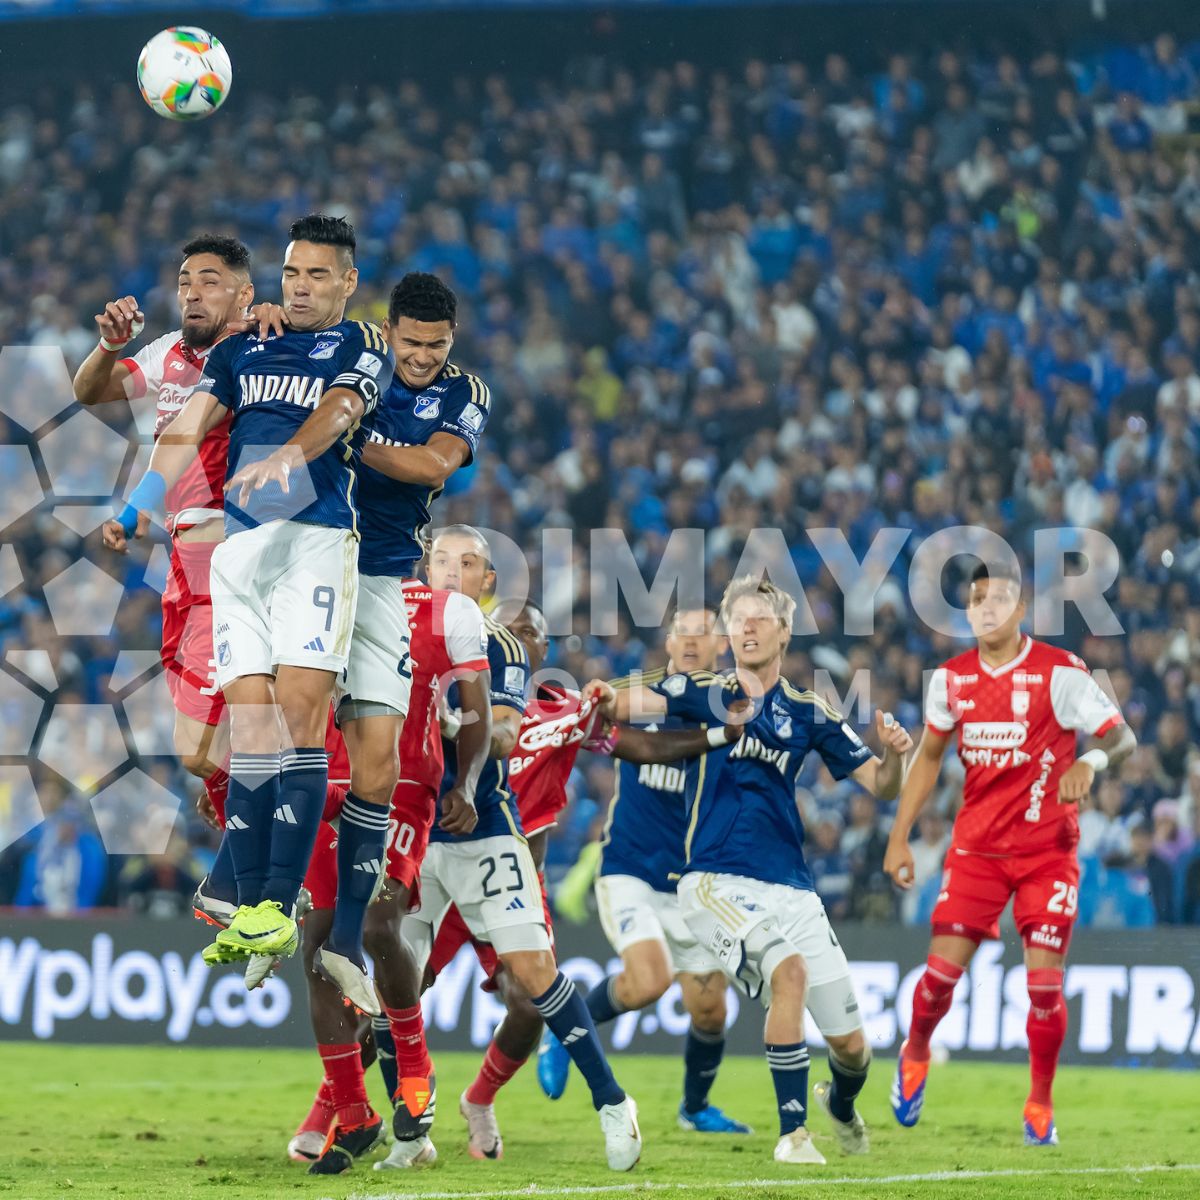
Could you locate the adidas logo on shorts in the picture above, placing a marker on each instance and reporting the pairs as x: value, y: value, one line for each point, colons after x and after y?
x: 514, y: 905
x: 316, y: 645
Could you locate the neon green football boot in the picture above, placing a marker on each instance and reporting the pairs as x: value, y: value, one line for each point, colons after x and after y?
x: 263, y: 929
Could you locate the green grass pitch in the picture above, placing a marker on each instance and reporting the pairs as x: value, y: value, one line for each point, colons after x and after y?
x: 178, y: 1123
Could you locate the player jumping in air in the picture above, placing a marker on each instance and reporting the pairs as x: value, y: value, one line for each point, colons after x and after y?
x: 285, y: 581
x: 1017, y: 706
x: 214, y: 289
x: 642, y: 858
x: 746, y: 891
x: 449, y: 642
x: 490, y: 877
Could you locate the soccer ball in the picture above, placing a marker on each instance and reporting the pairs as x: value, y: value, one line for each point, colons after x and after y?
x: 184, y: 73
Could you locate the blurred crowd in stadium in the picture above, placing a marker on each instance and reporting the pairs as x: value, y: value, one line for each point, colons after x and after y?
x: 954, y: 290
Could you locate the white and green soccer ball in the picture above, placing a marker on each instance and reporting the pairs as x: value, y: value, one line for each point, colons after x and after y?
x: 184, y: 73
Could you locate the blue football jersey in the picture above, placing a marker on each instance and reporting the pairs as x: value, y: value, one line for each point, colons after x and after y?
x: 273, y: 386
x: 497, y: 810
x: 742, y: 814
x: 392, y: 513
x: 647, y: 819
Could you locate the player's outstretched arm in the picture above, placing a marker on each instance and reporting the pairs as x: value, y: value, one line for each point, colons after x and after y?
x: 173, y: 453
x: 472, y: 742
x: 101, y: 376
x: 918, y: 786
x: 624, y: 704
x: 640, y: 746
x: 340, y: 409
x: 428, y: 466
x: 1106, y: 752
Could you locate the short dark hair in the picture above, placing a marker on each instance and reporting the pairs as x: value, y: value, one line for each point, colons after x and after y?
x: 422, y: 297
x: 228, y: 249
x: 997, y: 570
x: 325, y: 231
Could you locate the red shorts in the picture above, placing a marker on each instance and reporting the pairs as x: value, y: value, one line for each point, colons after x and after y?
x: 453, y: 935
x: 187, y: 633
x: 976, y: 888
x: 408, y: 836
x: 409, y: 823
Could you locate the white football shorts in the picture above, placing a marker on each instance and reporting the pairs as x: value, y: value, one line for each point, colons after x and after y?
x: 494, y: 884
x: 283, y: 594
x: 632, y: 911
x: 378, y: 675
x: 752, y: 927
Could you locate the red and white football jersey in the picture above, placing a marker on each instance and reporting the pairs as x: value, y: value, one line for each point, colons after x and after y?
x: 447, y: 633
x: 553, y: 728
x: 168, y: 369
x: 1017, y: 727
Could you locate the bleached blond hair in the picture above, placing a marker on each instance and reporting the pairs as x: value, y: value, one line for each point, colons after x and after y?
x: 776, y: 599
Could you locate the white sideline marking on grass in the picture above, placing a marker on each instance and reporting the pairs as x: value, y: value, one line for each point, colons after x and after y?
x: 613, y: 1189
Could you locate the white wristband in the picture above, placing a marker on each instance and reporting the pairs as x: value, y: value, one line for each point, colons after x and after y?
x: 112, y: 347
x: 717, y: 737
x: 1095, y: 758
x: 451, y: 724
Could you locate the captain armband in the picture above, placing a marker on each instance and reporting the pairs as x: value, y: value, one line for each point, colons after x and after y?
x: 361, y: 385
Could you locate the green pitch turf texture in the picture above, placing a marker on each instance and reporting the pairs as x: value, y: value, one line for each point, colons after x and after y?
x: 178, y: 1123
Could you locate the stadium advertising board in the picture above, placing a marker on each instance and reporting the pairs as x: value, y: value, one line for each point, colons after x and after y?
x: 1134, y: 997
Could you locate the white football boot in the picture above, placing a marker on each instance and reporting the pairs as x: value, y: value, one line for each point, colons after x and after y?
x: 622, y: 1137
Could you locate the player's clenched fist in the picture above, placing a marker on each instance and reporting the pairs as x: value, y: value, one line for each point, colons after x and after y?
x: 898, y: 864
x: 114, y: 534
x: 892, y: 734
x: 603, y: 694
x: 120, y: 322
x: 458, y: 813
x: 1075, y: 783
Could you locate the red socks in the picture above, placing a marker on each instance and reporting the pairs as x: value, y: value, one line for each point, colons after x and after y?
x: 931, y: 1002
x: 495, y: 1071
x: 217, y: 787
x: 413, y: 1064
x: 346, y: 1086
x: 321, y: 1115
x: 1047, y: 1029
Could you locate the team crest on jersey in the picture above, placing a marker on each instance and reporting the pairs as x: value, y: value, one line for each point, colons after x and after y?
x: 427, y: 407
x: 675, y: 685
x: 1020, y: 704
x: 783, y: 721
x: 323, y: 349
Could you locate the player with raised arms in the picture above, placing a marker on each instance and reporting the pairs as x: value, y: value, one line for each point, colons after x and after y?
x: 214, y: 290
x: 642, y: 857
x: 285, y: 581
x: 1016, y: 707
x: 746, y: 891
